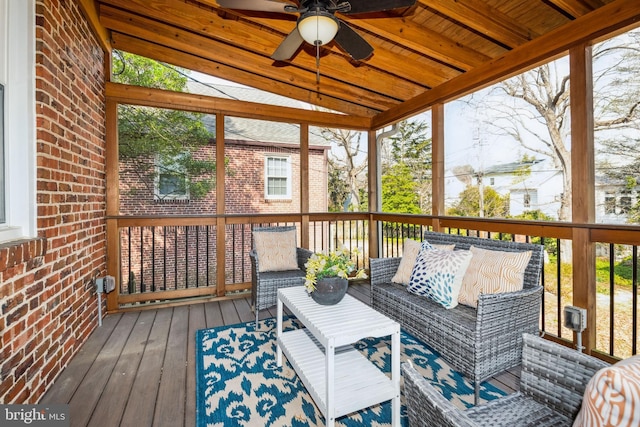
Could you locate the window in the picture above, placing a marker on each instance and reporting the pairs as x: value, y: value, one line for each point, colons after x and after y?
x: 492, y: 181
x: 17, y: 115
x: 610, y: 204
x: 527, y: 200
x: 278, y: 177
x: 625, y: 204
x: 171, y: 180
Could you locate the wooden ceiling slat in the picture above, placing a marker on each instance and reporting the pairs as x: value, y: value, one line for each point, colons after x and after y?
x: 159, y: 98
x: 90, y: 12
x: 147, y: 29
x: 210, y: 25
x: 221, y: 70
x: 607, y: 19
x: 477, y: 14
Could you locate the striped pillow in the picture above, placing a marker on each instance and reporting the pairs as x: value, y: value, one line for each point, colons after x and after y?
x: 612, y: 396
x: 492, y: 272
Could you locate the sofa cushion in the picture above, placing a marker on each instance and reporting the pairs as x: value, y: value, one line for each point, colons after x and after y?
x: 438, y: 274
x: 492, y: 272
x: 276, y: 250
x: 410, y: 250
x: 612, y: 396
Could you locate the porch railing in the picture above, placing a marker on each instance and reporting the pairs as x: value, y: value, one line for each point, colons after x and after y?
x: 167, y: 259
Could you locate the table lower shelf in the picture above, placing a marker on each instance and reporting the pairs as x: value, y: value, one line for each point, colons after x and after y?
x: 358, y: 383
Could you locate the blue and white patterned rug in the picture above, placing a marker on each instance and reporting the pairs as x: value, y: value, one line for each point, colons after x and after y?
x: 239, y: 384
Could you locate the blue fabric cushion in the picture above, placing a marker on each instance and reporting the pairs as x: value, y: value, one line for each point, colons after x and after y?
x: 438, y: 274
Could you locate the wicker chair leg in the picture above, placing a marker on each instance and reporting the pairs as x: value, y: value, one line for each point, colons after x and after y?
x: 476, y: 393
x: 257, y: 312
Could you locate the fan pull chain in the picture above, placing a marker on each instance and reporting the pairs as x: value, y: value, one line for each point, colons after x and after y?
x: 317, y: 64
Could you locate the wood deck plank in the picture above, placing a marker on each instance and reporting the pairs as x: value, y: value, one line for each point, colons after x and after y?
x: 88, y: 393
x: 213, y: 314
x: 142, y: 399
x: 229, y: 313
x: 243, y: 308
x: 72, y: 376
x: 170, y: 402
x: 116, y: 393
x: 197, y: 320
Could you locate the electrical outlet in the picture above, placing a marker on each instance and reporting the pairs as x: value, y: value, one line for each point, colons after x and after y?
x: 109, y: 283
x: 575, y: 318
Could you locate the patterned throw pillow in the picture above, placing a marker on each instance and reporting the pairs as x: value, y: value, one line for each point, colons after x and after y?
x: 492, y: 272
x: 410, y: 251
x: 438, y: 274
x: 612, y: 396
x: 276, y: 250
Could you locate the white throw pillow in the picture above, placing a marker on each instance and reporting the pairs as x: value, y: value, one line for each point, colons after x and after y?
x: 276, y: 250
x: 438, y: 274
x: 410, y: 250
x: 493, y: 272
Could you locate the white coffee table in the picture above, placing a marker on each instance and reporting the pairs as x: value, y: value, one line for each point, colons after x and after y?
x: 338, y: 377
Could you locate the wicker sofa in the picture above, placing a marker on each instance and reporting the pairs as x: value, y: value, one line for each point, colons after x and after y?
x: 478, y: 343
x: 552, y: 384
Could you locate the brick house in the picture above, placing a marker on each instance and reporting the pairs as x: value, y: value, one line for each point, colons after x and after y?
x: 262, y: 177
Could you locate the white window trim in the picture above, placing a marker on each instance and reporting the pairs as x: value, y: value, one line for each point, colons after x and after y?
x: 266, y: 177
x: 17, y: 41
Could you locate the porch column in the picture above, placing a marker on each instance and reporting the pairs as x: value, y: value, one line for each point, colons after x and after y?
x: 112, y: 177
x: 373, y: 173
x: 304, y: 185
x: 220, y: 208
x: 437, y: 166
x: 582, y: 187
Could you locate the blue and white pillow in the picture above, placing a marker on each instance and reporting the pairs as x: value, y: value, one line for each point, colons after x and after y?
x: 438, y: 274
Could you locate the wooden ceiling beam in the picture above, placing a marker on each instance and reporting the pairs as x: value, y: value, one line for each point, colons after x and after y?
x: 577, y: 8
x: 88, y: 8
x: 426, y: 42
x: 223, y: 71
x: 148, y: 97
x: 476, y: 14
x: 212, y: 26
x: 197, y: 45
x: 605, y: 20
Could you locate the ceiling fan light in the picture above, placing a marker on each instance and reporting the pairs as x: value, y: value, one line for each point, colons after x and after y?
x: 317, y: 27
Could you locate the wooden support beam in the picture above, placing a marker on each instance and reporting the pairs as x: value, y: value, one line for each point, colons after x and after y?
x: 304, y: 185
x: 112, y: 179
x: 583, y: 187
x: 437, y: 163
x: 374, y: 191
x: 221, y: 229
x: 148, y: 97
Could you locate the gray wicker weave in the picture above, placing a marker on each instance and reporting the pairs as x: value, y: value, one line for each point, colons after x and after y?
x: 479, y: 343
x: 265, y: 285
x: 553, y: 381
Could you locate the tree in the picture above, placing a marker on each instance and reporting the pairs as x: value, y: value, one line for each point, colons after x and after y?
x: 399, y: 190
x: 410, y: 146
x: 350, y: 166
x: 156, y: 142
x: 468, y: 204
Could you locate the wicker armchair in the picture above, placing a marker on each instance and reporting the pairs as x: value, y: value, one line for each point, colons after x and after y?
x: 552, y: 385
x: 479, y: 343
x: 265, y: 285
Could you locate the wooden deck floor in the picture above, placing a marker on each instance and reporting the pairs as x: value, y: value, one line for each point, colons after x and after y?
x: 138, y: 368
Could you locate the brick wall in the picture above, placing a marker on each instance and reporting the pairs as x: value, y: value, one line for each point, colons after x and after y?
x: 47, y: 300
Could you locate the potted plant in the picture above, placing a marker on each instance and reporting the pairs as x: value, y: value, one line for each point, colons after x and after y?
x: 326, y: 279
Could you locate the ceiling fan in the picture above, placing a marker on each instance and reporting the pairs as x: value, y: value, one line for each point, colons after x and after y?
x: 318, y: 25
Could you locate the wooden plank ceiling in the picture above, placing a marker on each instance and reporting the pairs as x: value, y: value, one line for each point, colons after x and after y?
x: 415, y: 49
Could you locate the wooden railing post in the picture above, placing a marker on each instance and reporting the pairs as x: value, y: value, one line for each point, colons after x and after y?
x: 437, y: 164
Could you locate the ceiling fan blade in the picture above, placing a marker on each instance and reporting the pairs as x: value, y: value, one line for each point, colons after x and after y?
x: 352, y: 42
x: 365, y: 6
x: 257, y: 5
x: 289, y: 46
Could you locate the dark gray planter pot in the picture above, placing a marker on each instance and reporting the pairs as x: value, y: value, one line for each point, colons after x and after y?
x: 330, y: 290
